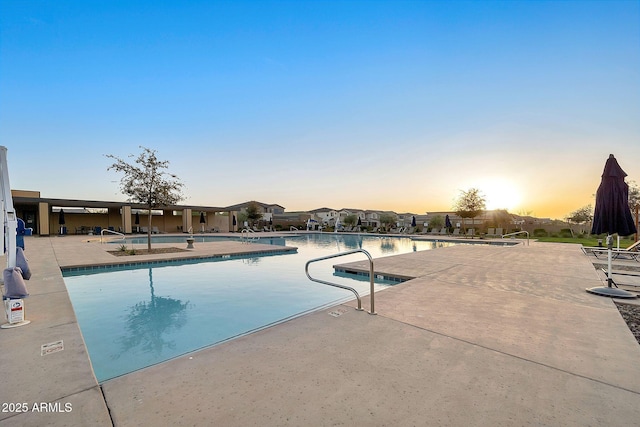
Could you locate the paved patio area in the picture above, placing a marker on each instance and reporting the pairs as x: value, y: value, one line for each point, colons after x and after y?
x: 483, y: 335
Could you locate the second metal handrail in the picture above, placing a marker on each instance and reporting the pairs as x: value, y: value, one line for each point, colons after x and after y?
x: 371, y: 277
x: 245, y: 235
x: 104, y: 230
x: 517, y: 232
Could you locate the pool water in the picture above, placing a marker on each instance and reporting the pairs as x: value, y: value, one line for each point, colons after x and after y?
x: 136, y: 317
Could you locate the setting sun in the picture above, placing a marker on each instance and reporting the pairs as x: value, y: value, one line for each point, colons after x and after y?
x: 501, y: 194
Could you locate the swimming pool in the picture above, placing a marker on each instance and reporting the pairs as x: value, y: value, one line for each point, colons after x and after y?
x: 135, y: 317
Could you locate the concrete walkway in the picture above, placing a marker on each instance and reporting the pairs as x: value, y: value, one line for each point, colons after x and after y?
x: 484, y: 335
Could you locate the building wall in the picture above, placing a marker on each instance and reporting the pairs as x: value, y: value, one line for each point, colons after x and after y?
x: 43, y: 215
x: 217, y: 221
x: 25, y: 193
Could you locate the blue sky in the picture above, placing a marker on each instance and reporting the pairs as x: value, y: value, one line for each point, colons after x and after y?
x: 373, y: 104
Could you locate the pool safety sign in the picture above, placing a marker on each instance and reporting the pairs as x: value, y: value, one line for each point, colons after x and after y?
x: 337, y: 312
x: 15, y: 310
x: 52, y: 347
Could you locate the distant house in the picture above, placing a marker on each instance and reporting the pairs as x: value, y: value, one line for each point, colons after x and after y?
x: 268, y: 210
x: 343, y: 213
x: 371, y: 219
x: 325, y: 216
x: 368, y: 217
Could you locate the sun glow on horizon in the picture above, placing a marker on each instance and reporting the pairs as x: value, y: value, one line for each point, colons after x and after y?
x: 501, y: 194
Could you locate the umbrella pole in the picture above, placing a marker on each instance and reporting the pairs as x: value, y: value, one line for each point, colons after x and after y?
x: 609, y: 278
x: 609, y: 256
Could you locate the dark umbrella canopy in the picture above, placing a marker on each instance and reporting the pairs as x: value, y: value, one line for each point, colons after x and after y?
x: 359, y: 221
x: 413, y: 221
x: 137, y: 220
x: 234, y: 220
x: 612, y: 213
x: 447, y: 222
x: 202, y: 220
x: 61, y: 220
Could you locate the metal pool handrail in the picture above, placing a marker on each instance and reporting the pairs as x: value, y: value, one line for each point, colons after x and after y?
x: 104, y: 230
x: 517, y: 232
x: 306, y: 270
x: 246, y: 237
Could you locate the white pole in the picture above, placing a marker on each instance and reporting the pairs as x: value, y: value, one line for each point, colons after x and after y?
x: 10, y: 222
x: 609, y: 253
x: 3, y: 227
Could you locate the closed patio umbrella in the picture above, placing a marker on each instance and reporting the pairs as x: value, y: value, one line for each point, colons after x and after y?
x: 447, y: 222
x: 413, y: 221
x: 61, y: 221
x: 612, y: 215
x: 202, y: 221
x: 137, y: 222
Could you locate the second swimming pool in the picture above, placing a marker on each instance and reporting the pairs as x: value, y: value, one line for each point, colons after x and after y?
x: 133, y: 318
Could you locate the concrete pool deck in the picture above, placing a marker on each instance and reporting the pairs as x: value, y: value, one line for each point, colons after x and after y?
x: 484, y: 335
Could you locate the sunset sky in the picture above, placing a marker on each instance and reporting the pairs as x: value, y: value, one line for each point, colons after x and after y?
x: 393, y: 105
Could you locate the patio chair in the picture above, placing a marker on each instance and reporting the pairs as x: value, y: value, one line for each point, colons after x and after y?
x: 603, y: 253
x: 635, y: 247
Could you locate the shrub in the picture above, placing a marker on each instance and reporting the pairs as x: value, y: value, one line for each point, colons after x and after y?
x: 566, y: 232
x: 540, y: 232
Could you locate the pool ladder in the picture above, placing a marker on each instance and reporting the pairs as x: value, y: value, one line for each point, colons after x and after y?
x: 121, y: 236
x: 371, y: 277
x: 512, y: 235
x: 247, y: 235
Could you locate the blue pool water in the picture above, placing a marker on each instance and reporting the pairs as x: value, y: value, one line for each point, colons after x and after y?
x: 136, y: 317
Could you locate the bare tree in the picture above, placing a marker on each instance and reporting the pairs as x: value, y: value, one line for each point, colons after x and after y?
x: 469, y: 204
x: 634, y: 195
x: 581, y: 216
x: 145, y: 181
x: 634, y: 201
